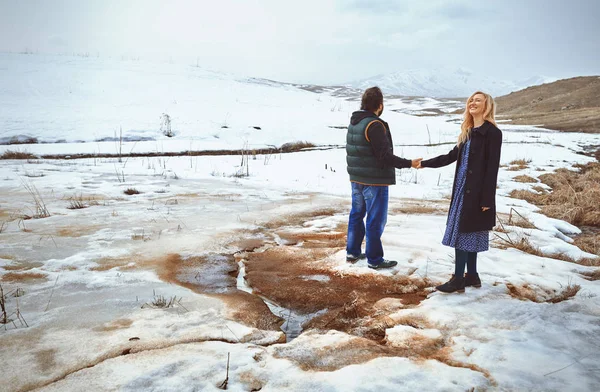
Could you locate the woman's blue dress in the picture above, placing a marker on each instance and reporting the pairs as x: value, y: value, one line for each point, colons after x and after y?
x: 478, y: 241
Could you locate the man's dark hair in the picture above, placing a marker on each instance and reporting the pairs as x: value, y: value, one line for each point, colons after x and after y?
x: 371, y: 99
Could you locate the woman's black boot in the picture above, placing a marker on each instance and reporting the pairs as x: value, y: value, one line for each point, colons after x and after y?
x: 472, y: 280
x: 453, y: 285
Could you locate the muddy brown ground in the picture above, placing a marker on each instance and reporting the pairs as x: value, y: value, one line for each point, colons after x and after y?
x: 295, y: 272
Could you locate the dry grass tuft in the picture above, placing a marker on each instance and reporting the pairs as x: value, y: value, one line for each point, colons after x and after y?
x: 416, y: 209
x: 41, y: 211
x: 588, y: 242
x: 542, y: 295
x: 521, y: 162
x: 592, y: 275
x: 295, y: 146
x: 161, y: 302
x: 521, y: 243
x: 575, y: 196
x: 516, y: 168
x: 515, y: 219
x: 525, y: 179
x: 14, y: 154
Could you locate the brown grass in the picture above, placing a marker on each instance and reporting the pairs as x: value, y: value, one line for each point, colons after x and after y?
x: 316, y: 239
x: 542, y: 295
x: 569, y: 105
x: 521, y: 162
x: 295, y: 146
x: 114, y: 325
x: 516, y: 168
x: 514, y: 218
x: 19, y: 265
x: 14, y: 154
x: 588, y: 241
x: 525, y: 179
x: 22, y: 277
x: 575, y: 196
x: 215, y: 275
x: 357, y: 350
x: 521, y: 243
x: 75, y: 231
x: 592, y: 275
x: 300, y: 218
x: 416, y: 209
x: 108, y: 263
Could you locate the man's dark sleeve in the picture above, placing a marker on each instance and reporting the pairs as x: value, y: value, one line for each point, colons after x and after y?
x: 382, y: 148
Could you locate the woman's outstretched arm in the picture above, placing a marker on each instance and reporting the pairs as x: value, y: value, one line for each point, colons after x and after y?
x: 442, y: 160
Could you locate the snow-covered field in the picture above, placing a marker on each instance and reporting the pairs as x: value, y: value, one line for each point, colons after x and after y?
x: 249, y: 254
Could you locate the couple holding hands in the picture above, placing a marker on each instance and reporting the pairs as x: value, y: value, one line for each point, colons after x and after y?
x: 372, y: 168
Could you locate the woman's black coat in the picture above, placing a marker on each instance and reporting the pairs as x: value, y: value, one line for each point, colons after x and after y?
x: 482, y: 174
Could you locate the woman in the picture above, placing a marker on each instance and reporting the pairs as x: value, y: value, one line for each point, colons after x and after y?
x: 473, y: 208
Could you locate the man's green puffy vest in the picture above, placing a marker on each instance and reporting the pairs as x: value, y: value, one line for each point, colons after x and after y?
x: 362, y: 164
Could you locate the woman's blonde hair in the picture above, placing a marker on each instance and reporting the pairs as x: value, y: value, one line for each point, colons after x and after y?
x: 489, y: 114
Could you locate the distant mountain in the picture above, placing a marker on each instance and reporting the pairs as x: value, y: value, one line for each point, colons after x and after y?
x: 568, y: 105
x: 444, y: 83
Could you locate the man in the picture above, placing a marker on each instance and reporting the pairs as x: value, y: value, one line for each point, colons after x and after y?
x: 372, y: 168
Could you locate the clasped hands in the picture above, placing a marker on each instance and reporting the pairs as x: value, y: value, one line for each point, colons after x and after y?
x: 416, y: 164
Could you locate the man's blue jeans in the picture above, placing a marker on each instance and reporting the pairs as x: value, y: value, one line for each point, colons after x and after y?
x: 371, y: 201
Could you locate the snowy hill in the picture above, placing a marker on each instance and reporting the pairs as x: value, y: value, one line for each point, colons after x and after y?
x: 444, y: 83
x: 83, y: 104
x: 54, y: 98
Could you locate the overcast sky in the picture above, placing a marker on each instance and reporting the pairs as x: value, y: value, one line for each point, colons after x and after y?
x: 319, y: 41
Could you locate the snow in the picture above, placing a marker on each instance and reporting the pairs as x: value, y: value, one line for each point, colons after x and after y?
x: 101, y: 267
